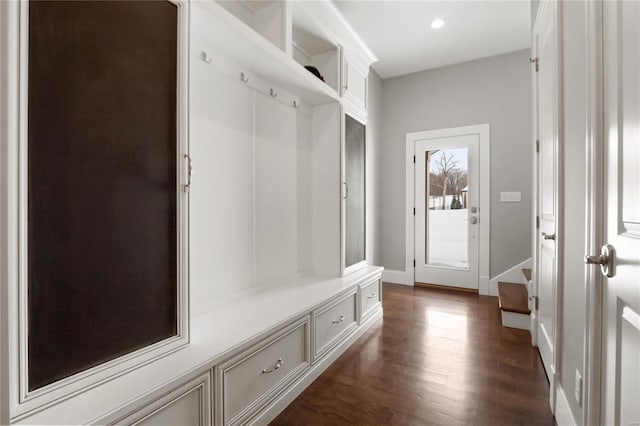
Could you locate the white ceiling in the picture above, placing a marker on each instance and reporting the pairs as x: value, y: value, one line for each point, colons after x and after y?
x: 399, y: 32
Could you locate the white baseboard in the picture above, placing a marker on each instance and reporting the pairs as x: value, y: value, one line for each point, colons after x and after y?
x: 563, y: 414
x: 533, y: 329
x: 483, y: 286
x: 397, y: 277
x: 512, y: 275
x: 515, y: 320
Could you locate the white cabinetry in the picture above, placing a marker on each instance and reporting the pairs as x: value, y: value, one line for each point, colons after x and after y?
x: 354, y: 77
x: 332, y: 321
x: 250, y: 379
x: 267, y: 18
x: 370, y: 298
x: 189, y: 404
x: 267, y: 307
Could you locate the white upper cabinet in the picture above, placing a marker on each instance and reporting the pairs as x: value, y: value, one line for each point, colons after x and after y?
x: 354, y: 56
x: 354, y: 77
x: 276, y: 40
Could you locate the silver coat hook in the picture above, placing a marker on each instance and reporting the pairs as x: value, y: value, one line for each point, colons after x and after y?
x: 295, y: 104
x: 273, y: 93
x: 205, y: 57
x: 244, y: 78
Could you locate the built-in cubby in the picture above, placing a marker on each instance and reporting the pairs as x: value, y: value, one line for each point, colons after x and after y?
x: 312, y: 47
x: 267, y: 17
x: 265, y: 195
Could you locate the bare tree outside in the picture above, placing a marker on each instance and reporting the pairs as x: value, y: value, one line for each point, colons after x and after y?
x: 447, y: 179
x: 457, y: 180
x: 446, y: 165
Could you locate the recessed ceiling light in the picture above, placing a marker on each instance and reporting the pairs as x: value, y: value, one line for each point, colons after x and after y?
x: 437, y: 23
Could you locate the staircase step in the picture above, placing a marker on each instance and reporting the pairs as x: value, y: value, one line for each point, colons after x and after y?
x: 513, y: 297
x: 527, y: 273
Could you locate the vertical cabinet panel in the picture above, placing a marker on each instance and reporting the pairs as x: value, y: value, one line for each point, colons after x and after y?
x: 276, y: 190
x: 222, y: 193
x: 102, y: 191
x: 354, y: 191
x: 304, y: 193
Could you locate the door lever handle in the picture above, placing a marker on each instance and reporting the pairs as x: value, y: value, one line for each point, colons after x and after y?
x: 548, y: 236
x: 606, y: 260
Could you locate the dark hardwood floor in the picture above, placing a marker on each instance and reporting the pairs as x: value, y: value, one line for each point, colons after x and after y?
x: 438, y: 357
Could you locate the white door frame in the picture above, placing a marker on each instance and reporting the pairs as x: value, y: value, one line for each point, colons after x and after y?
x: 559, y: 202
x: 591, y: 410
x: 483, y: 131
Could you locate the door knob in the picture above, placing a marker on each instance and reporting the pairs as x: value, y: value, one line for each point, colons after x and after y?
x: 606, y: 260
x: 548, y: 236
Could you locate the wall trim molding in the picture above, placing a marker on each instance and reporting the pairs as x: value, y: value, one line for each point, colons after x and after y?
x: 563, y: 414
x: 511, y: 275
x: 397, y: 277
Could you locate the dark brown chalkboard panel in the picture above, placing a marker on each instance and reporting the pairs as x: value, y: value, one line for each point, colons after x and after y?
x: 355, y: 202
x: 102, y: 202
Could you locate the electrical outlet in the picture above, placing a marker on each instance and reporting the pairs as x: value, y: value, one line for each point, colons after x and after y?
x: 578, y: 388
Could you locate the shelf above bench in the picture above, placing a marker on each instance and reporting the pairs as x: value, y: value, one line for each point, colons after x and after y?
x: 229, y: 37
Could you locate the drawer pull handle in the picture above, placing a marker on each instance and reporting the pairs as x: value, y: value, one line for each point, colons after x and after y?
x: 372, y: 296
x: 338, y: 321
x: 279, y: 364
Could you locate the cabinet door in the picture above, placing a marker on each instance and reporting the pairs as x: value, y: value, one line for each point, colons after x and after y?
x: 103, y: 201
x: 355, y: 84
x: 354, y: 192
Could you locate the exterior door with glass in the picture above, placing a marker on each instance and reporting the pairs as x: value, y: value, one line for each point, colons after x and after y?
x: 447, y: 208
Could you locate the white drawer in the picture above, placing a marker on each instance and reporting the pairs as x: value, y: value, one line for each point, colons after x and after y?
x: 332, y: 321
x: 370, y: 297
x: 188, y: 405
x: 249, y: 380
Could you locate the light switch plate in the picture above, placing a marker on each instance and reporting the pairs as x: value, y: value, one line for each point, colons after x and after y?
x: 511, y: 197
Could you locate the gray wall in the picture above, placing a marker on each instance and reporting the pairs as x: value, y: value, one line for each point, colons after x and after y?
x: 494, y: 90
x: 373, y: 168
x: 573, y: 144
x: 534, y: 11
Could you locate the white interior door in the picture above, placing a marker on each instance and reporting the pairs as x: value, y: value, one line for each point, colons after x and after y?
x: 447, y: 209
x: 621, y: 310
x: 545, y: 50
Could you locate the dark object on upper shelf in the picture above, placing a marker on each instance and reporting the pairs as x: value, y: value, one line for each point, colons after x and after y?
x: 313, y: 70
